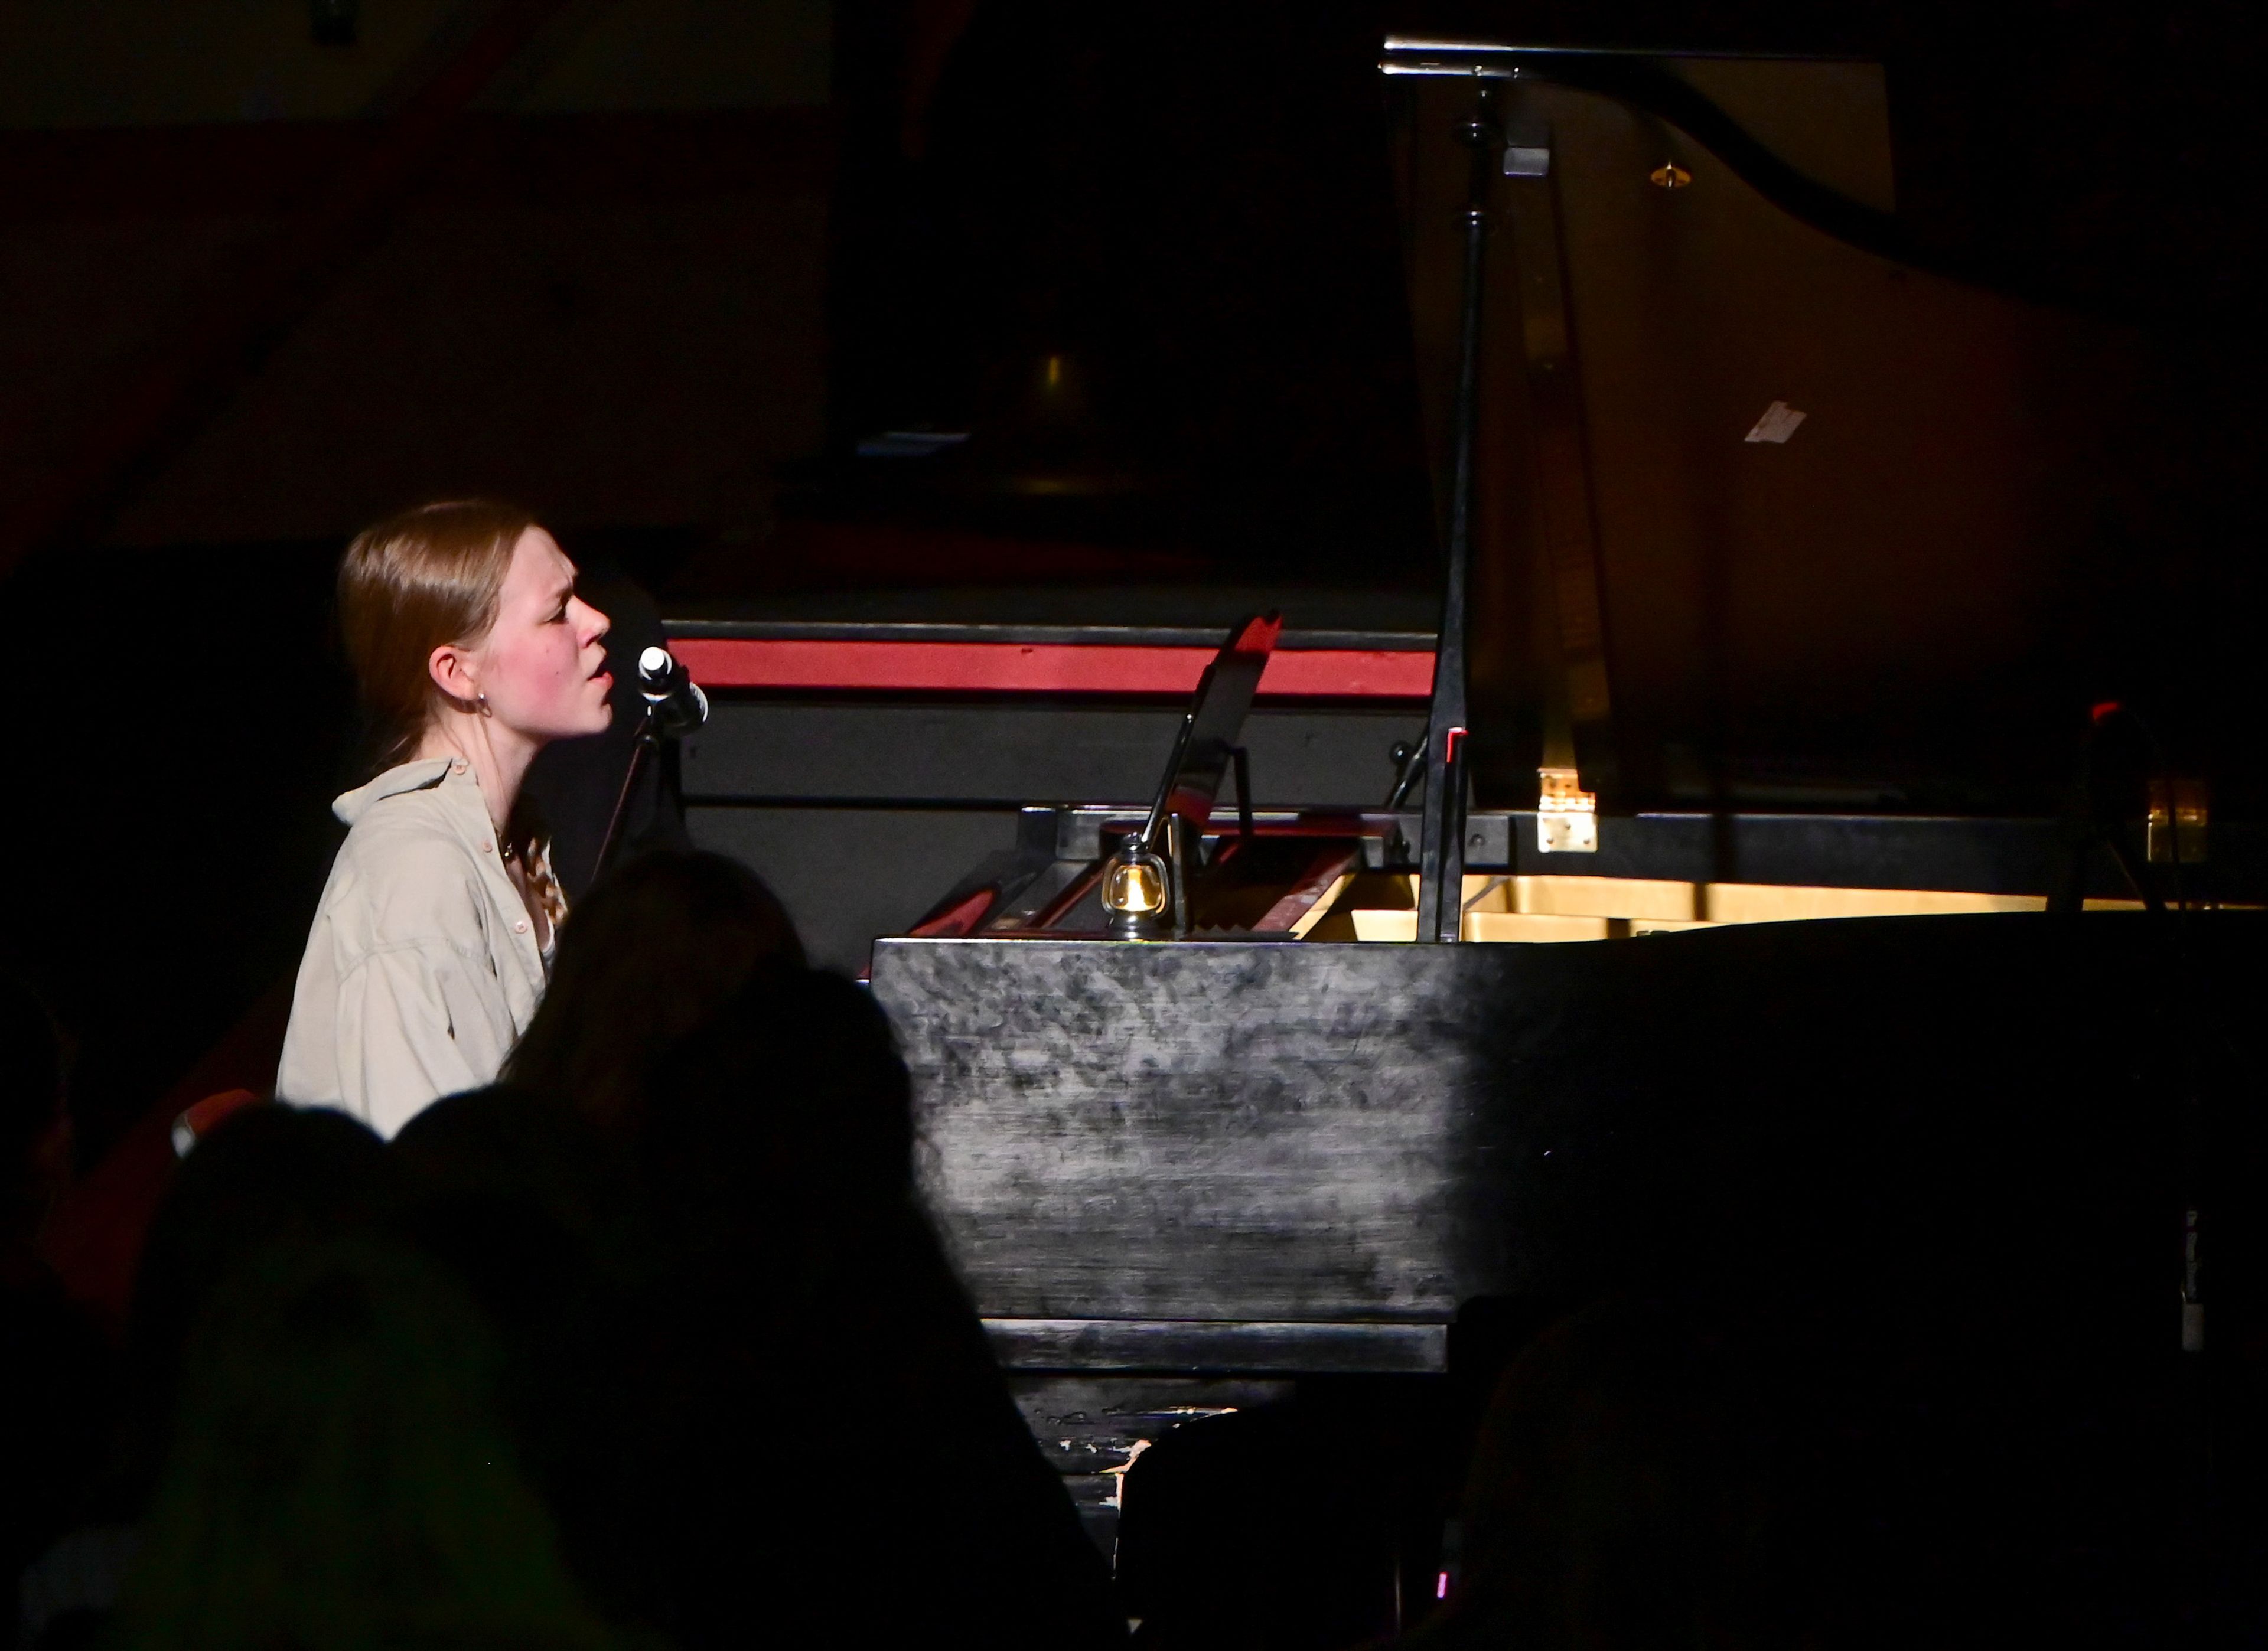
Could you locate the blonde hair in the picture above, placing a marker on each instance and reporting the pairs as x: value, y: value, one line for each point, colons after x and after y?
x: 416, y: 582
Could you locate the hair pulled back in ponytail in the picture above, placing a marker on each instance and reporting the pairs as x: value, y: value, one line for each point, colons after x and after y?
x: 416, y: 582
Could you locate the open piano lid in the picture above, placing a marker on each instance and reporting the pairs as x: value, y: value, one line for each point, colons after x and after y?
x: 1765, y: 516
x: 1770, y: 517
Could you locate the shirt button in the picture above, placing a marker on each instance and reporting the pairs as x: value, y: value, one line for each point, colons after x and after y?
x: 488, y: 848
x: 520, y: 927
x: 457, y: 766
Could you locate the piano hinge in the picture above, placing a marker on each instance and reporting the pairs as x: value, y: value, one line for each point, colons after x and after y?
x: 2177, y: 821
x: 1566, y: 816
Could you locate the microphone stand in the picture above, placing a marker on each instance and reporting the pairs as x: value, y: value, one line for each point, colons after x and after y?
x: 643, y: 746
x: 673, y: 706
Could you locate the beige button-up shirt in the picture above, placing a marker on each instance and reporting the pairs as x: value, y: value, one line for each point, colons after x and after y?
x: 423, y: 966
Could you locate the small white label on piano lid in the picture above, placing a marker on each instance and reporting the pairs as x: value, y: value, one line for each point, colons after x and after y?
x: 1777, y: 424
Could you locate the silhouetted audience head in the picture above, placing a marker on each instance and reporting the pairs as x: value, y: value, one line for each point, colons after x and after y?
x: 532, y: 1208
x: 792, y: 1090
x: 646, y: 959
x: 269, y: 1177
x: 700, y: 1385
x: 1729, y: 1464
x: 1620, y: 1497
x: 342, y: 1476
x: 807, y: 1298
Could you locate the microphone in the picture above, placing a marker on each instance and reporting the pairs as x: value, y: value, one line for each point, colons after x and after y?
x: 674, y: 704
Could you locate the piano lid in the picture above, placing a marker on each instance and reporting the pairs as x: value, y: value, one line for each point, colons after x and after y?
x: 1766, y: 515
x: 1773, y: 514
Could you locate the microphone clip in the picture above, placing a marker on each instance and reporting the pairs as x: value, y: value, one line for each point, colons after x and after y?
x: 674, y: 704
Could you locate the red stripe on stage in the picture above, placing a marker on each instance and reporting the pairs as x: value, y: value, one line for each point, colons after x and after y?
x: 919, y: 667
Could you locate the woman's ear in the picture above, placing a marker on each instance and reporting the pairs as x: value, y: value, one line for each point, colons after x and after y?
x: 450, y: 668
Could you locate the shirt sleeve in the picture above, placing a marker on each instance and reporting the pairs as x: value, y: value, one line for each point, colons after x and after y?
x: 398, y: 1001
x: 410, y: 1030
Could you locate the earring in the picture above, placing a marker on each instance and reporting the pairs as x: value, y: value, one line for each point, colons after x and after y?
x: 483, y: 700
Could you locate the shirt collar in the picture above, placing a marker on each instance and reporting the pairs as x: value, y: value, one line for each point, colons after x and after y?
x: 420, y: 776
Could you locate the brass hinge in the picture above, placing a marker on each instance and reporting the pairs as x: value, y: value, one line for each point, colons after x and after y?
x: 1566, y: 816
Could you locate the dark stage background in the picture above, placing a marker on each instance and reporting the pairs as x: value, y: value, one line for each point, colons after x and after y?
x: 657, y: 269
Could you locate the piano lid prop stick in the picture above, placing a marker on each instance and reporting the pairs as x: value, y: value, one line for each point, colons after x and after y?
x: 1440, y: 857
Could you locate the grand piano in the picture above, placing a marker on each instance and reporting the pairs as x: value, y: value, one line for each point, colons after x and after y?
x: 1731, y: 867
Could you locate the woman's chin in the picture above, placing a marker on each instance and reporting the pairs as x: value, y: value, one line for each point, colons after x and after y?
x: 593, y: 720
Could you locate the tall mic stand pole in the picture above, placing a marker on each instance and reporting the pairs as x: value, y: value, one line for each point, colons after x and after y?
x: 643, y: 746
x: 1441, y: 847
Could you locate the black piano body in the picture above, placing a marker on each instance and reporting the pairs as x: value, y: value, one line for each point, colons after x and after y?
x: 1206, y: 1175
x: 1187, y: 1177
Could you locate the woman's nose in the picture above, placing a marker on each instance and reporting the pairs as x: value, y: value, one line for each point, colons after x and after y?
x: 595, y: 624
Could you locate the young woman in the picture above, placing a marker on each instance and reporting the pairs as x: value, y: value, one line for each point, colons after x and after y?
x: 430, y: 945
